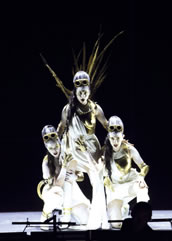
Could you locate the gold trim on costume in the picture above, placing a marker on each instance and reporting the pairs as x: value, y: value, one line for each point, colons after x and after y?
x: 144, y: 169
x: 80, y: 176
x: 108, y: 183
x: 46, y: 215
x: 39, y: 186
x: 90, y: 125
x: 67, y: 210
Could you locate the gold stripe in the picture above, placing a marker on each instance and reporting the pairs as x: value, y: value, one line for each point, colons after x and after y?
x: 46, y: 215
x: 82, y: 79
x: 39, y: 186
x: 67, y: 210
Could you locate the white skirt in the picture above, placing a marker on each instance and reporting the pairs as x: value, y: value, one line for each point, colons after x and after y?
x: 128, y: 187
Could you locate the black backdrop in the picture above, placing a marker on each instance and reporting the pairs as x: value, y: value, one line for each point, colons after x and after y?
x: 137, y: 89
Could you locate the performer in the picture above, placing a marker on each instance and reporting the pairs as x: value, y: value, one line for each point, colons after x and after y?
x: 55, y: 172
x: 78, y: 125
x: 122, y: 182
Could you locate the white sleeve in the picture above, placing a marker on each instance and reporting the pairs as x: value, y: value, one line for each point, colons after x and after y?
x: 45, y: 168
x: 136, y: 156
x: 101, y: 117
x: 62, y: 174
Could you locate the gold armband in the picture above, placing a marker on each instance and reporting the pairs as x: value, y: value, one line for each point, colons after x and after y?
x: 144, y: 169
x: 80, y: 176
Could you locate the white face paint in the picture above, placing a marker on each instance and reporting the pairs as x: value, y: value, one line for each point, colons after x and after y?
x: 53, y: 146
x: 115, y: 129
x: 82, y: 94
x: 116, y: 139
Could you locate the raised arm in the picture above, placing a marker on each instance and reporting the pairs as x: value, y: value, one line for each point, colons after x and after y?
x: 101, y: 117
x: 62, y: 125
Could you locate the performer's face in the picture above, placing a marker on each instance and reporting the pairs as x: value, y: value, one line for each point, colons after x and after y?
x: 82, y: 94
x: 115, y: 139
x: 53, y: 148
x: 52, y: 144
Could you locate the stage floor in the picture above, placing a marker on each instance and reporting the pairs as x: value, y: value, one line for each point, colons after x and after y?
x: 6, y: 219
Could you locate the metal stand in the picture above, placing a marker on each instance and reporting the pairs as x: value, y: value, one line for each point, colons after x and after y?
x: 55, y: 224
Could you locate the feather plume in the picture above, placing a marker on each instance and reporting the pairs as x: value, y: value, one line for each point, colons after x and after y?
x: 95, y: 67
x: 59, y: 83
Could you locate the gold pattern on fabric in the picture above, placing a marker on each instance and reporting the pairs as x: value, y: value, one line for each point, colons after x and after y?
x: 89, y: 118
x: 108, y: 183
x: 90, y: 124
x: 124, y: 162
x: 46, y: 215
x: 67, y: 211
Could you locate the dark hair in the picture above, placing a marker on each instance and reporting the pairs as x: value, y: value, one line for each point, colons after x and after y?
x: 142, y: 206
x: 108, y: 156
x: 72, y: 107
x: 51, y: 164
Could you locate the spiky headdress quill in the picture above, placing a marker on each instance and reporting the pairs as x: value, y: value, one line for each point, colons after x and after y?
x: 95, y: 69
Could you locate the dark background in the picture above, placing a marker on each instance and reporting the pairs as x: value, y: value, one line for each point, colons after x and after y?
x: 137, y: 88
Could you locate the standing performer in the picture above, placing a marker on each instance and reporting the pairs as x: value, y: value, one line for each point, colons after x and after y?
x: 123, y: 182
x: 78, y: 124
x: 77, y: 128
x: 55, y: 172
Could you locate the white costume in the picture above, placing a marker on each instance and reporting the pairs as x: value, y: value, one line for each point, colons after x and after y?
x: 123, y: 182
x: 53, y: 190
x: 80, y: 139
x: 52, y: 193
x: 77, y: 128
x: 52, y: 196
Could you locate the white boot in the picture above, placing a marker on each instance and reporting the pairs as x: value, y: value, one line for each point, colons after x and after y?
x: 66, y: 217
x: 125, y: 211
x: 44, y: 217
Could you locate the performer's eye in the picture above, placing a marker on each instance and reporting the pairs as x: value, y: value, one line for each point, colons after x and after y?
x: 85, y: 82
x: 77, y: 83
x: 46, y: 137
x: 119, y: 128
x: 111, y: 128
x: 53, y: 135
